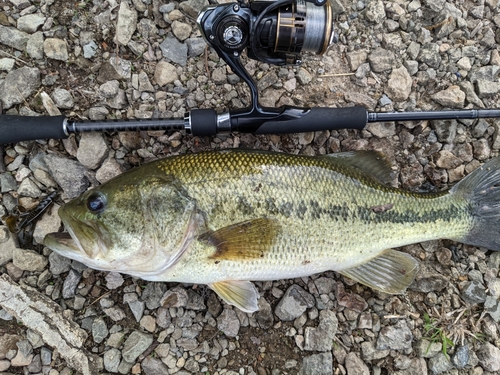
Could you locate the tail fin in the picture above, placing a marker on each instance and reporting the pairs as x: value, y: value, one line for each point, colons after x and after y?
x: 482, y: 190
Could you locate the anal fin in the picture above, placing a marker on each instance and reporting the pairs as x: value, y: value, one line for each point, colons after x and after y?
x: 239, y: 293
x: 391, y: 272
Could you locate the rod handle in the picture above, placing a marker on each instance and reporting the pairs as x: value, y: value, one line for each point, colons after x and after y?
x: 318, y: 119
x: 15, y: 129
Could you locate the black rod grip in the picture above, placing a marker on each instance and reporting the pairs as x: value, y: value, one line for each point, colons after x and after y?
x: 15, y: 129
x: 317, y: 119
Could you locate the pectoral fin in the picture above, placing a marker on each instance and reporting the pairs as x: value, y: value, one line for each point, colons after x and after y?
x: 241, y: 294
x: 246, y: 240
x: 391, y: 272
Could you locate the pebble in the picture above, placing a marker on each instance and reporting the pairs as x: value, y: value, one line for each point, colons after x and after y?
x: 92, y: 150
x: 474, y: 292
x: 439, y: 364
x: 126, y: 24
x: 461, y: 357
x: 99, y: 330
x: 294, y: 303
x: 59, y: 264
x: 396, y: 337
x: 24, y: 354
x: 70, y: 283
x: 56, y: 49
x: 175, y: 51
x: 452, y: 97
x: 355, y: 366
x: 111, y: 359
x: 489, y: 357
x: 18, y: 85
x: 321, y: 338
x: 135, y: 345
x: 228, y: 323
x: 153, y: 366
x: 317, y: 364
x: 28, y: 260
x: 165, y: 73
x: 14, y: 38
x: 30, y: 22
x: 400, y: 84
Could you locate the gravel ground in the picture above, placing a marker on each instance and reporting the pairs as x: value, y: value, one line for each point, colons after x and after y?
x: 112, y: 59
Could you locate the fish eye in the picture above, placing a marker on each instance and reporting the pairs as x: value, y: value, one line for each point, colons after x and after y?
x: 96, y: 202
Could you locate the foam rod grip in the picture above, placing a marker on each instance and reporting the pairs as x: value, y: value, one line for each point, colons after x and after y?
x: 317, y: 119
x: 15, y: 129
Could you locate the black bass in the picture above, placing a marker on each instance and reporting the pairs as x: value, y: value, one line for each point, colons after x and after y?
x: 225, y: 218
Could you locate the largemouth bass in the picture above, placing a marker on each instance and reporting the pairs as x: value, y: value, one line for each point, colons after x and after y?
x: 225, y: 218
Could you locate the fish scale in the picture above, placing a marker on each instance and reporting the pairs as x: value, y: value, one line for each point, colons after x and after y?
x: 225, y: 218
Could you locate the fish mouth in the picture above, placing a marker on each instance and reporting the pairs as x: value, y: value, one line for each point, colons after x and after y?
x: 61, y: 241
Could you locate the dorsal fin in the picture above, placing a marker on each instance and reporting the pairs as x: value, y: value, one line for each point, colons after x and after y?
x: 372, y: 163
x: 246, y: 240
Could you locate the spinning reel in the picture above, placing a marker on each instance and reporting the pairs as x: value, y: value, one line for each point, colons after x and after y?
x: 273, y: 32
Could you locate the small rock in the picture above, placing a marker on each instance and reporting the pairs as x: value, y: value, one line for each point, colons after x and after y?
x: 99, y: 330
x: 461, y: 357
x: 152, y: 294
x: 70, y: 283
x: 175, y: 297
x: 427, y: 349
x: 264, y: 316
x: 56, y: 49
x: 29, y: 260
x: 439, y: 364
x: 153, y: 366
x: 396, y: 337
x: 486, y: 89
x: 111, y: 360
x: 452, y: 97
x: 165, y: 73
x: 174, y: 51
x: 321, y: 338
x: 355, y: 366
x: 7, y: 64
x: 13, y: 37
x: 148, y: 323
x: 18, y: 85
x: 181, y: 30
x: 447, y: 160
x: 30, y: 22
x: 24, y: 354
x: 381, y: 60
x: 381, y: 129
x: 114, y: 280
x: 126, y: 24
x: 429, y: 54
x: 196, y: 46
x: 59, y: 264
x: 474, y: 292
x: 228, y: 323
x: 50, y: 222
x: 69, y: 174
x: 399, y: 85
x: 137, y: 307
x: 63, y: 98
x: 375, y: 12
x: 92, y: 150
x: 303, y: 76
x: 317, y: 364
x: 135, y: 345
x: 34, y: 47
x: 489, y: 357
x: 294, y: 303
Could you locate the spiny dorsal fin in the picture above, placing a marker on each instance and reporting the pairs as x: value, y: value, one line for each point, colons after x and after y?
x: 246, y: 240
x: 391, y: 272
x: 241, y: 294
x: 372, y: 163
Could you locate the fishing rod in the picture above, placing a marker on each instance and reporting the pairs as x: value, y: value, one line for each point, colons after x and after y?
x: 272, y: 32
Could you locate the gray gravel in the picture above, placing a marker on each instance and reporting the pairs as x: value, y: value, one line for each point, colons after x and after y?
x: 141, y: 59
